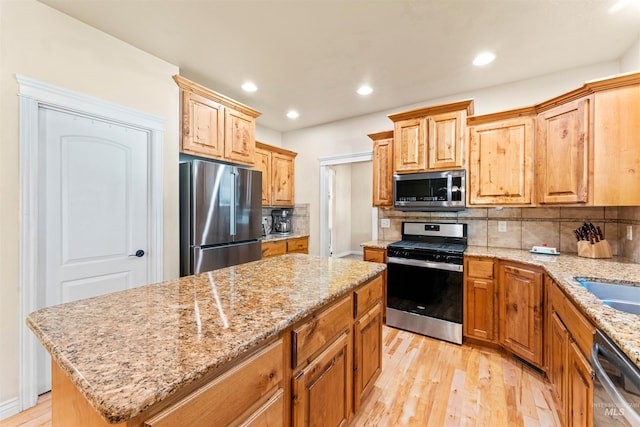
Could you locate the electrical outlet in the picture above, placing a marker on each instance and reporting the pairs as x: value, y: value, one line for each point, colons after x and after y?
x: 265, y: 220
x: 502, y: 226
x: 629, y: 232
x: 385, y: 223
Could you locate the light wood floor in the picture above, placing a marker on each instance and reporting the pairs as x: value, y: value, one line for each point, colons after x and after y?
x: 426, y: 382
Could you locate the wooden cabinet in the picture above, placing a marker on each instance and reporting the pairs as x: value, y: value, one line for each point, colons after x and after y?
x: 569, y: 341
x: 520, y: 301
x: 374, y: 255
x: 616, y: 160
x: 256, y: 381
x: 430, y: 138
x: 501, y: 159
x: 322, y: 390
x: 215, y: 126
x: 368, y: 352
x: 382, y: 168
x: 298, y: 245
x: 563, y: 145
x: 481, y: 300
x: 277, y: 166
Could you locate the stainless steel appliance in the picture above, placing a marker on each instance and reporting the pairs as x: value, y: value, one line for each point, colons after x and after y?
x: 424, y: 280
x: 616, y: 385
x: 430, y: 191
x: 220, y: 216
x: 281, y: 221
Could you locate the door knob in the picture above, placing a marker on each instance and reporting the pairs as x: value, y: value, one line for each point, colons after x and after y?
x: 139, y: 253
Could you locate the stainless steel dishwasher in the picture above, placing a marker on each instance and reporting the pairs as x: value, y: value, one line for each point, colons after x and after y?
x: 616, y: 385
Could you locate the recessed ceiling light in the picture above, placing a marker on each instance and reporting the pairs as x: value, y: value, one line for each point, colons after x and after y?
x: 249, y: 87
x: 364, y: 90
x: 293, y: 114
x: 484, y: 58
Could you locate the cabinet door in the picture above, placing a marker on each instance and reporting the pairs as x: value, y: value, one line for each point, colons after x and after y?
x: 271, y: 414
x: 239, y: 137
x: 445, y: 140
x: 322, y: 391
x: 562, y: 154
x: 521, y: 312
x: 282, y: 185
x: 480, y: 311
x: 368, y: 352
x: 500, y: 163
x: 203, y: 126
x: 276, y: 248
x: 383, y: 172
x: 410, y: 146
x: 263, y: 164
x: 558, y: 343
x: 299, y: 245
x: 580, y: 393
x: 616, y: 160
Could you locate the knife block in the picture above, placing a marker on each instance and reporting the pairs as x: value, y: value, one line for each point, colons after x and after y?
x: 601, y: 249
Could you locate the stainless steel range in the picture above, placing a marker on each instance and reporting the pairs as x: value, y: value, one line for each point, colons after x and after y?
x: 424, y: 280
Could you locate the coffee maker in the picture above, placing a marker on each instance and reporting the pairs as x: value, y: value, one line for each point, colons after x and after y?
x: 281, y: 221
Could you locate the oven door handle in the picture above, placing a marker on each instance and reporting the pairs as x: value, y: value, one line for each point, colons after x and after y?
x: 426, y: 264
x: 628, y: 412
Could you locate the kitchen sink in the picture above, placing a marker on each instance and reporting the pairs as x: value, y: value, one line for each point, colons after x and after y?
x: 623, y: 297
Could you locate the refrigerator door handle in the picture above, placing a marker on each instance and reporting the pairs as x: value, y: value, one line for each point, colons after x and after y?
x: 232, y: 205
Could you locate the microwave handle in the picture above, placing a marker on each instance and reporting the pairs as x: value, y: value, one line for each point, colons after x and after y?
x: 449, y: 184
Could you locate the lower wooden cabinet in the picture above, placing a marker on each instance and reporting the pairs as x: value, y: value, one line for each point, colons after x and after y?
x: 255, y: 381
x: 481, y: 300
x: 569, y: 339
x: 368, y: 353
x: 374, y: 255
x: 322, y: 390
x: 298, y: 245
x: 520, y: 301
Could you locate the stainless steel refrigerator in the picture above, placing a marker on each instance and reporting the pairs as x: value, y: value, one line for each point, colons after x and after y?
x: 220, y: 216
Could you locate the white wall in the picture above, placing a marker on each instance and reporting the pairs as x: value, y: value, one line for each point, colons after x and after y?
x: 268, y: 136
x: 341, y: 233
x: 350, y: 136
x: 41, y: 43
x: 630, y: 61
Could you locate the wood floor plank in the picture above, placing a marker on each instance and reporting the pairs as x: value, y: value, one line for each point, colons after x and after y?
x: 426, y: 382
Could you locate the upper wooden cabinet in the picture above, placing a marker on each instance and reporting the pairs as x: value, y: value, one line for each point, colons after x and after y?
x: 501, y: 158
x: 382, y: 168
x: 616, y: 162
x: 563, y: 145
x: 277, y: 166
x: 430, y: 138
x: 215, y: 126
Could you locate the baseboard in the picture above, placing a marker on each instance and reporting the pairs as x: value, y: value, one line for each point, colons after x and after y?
x: 9, y: 408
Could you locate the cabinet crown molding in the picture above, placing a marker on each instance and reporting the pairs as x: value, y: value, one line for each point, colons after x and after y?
x: 276, y: 149
x: 466, y: 104
x: 387, y: 134
x: 193, y: 87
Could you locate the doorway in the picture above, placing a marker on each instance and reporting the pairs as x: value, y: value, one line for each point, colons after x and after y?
x: 91, y: 184
x: 346, y: 215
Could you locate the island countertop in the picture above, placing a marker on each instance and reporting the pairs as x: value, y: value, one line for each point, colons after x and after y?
x: 129, y: 350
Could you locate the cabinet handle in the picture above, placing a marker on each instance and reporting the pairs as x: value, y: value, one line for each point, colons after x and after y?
x: 515, y: 307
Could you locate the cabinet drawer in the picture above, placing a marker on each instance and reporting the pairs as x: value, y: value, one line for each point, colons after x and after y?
x: 375, y: 255
x: 270, y: 249
x: 299, y: 245
x: 480, y: 269
x: 269, y: 414
x: 220, y: 401
x: 317, y: 332
x: 578, y: 326
x: 367, y: 296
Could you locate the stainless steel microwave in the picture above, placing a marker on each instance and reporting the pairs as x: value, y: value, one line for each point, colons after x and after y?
x: 430, y: 191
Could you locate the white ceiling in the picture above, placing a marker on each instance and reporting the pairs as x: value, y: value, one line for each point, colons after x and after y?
x: 311, y: 55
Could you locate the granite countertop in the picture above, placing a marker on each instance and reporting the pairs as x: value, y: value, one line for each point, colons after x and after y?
x: 623, y: 328
x: 275, y: 237
x: 378, y: 244
x: 129, y: 350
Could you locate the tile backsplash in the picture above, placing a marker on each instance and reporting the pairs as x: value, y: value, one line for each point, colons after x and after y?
x: 523, y: 228
x: 299, y: 218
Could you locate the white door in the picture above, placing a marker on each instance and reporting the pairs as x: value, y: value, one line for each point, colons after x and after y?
x: 95, y: 198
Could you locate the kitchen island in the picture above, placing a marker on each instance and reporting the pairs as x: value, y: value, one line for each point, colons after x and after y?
x: 134, y: 356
